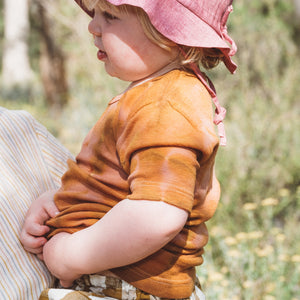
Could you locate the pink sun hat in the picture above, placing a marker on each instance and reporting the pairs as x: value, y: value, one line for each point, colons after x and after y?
x: 195, y: 23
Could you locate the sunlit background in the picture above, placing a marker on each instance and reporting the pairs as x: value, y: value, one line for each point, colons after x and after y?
x: 49, y: 68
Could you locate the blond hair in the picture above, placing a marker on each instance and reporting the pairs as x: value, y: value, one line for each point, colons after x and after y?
x: 205, y: 57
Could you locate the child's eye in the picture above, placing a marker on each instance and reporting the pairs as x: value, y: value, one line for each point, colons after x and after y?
x: 108, y: 16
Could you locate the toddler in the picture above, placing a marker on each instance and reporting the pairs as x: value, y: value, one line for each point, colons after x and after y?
x: 130, y: 213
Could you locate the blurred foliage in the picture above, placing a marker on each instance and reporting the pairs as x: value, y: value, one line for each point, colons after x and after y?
x: 252, y: 253
x: 253, y: 250
x: 263, y: 105
x: 260, y: 259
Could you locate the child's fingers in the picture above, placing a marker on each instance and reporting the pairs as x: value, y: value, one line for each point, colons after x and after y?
x: 51, y: 209
x: 33, y: 244
x: 36, y: 229
x: 32, y: 238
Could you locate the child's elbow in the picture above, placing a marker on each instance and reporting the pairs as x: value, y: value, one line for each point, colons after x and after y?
x: 155, y: 221
x: 170, y: 220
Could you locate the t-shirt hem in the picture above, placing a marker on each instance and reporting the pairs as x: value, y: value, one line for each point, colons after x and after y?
x: 172, y: 195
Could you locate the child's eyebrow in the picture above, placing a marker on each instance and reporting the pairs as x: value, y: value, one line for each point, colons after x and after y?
x: 104, y: 8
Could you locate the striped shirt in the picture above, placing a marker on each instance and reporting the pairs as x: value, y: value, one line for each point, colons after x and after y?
x: 32, y: 161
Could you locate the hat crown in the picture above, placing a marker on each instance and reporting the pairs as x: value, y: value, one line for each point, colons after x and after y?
x: 212, y: 12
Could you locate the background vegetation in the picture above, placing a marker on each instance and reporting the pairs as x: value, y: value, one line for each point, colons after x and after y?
x: 253, y: 252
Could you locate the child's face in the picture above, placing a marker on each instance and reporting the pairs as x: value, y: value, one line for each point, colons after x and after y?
x: 124, y: 48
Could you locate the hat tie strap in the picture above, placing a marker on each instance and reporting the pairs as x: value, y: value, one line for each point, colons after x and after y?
x: 220, y: 111
x: 224, y: 32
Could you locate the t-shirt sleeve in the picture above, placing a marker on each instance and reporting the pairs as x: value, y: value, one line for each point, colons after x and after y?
x: 162, y: 142
x: 164, y: 174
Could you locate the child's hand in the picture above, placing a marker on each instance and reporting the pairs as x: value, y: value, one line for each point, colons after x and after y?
x: 33, y: 231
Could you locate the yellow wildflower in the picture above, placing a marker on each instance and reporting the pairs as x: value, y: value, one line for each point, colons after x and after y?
x: 263, y: 252
x: 275, y: 230
x: 250, y: 206
x: 282, y: 279
x: 230, y: 241
x: 224, y: 283
x: 273, y: 267
x: 247, y: 284
x: 234, y: 253
x: 295, y: 258
x: 284, y: 192
x: 216, y: 276
x: 269, y: 202
x: 253, y: 235
x: 270, y: 287
x: 269, y: 297
x: 284, y: 257
x: 217, y: 231
x: 280, y: 237
x: 241, y: 236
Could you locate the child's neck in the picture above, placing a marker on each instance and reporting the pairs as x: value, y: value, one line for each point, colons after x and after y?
x: 171, y: 66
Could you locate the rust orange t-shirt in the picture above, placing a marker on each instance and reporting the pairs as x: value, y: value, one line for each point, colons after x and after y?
x: 155, y: 142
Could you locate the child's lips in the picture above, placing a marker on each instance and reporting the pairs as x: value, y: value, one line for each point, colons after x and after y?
x: 101, y: 55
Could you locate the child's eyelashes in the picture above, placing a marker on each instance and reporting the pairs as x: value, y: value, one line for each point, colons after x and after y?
x: 108, y: 16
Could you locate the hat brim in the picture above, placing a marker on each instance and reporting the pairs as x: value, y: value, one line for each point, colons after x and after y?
x: 189, y: 31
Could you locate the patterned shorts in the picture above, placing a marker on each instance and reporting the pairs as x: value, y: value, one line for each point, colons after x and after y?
x: 96, y: 287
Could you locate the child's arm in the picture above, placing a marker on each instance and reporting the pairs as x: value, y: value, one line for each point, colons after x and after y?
x: 41, y: 209
x: 129, y: 232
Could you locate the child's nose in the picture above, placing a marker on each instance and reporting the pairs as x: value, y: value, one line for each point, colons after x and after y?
x: 94, y: 27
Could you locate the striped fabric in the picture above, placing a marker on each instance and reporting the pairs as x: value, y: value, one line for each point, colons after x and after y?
x: 31, y: 162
